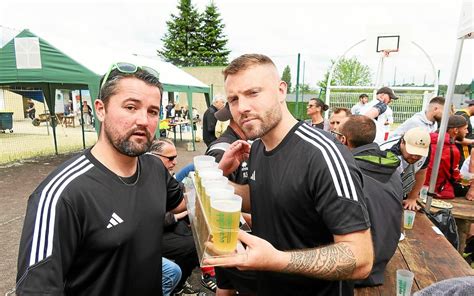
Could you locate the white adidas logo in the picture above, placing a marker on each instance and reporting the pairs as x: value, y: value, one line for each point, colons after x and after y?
x: 114, y: 220
x: 253, y: 176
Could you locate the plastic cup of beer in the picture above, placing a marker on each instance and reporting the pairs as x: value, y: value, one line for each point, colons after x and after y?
x: 208, y: 166
x: 203, y: 161
x: 224, y: 220
x: 404, y: 282
x: 424, y: 192
x: 408, y: 219
x: 207, y: 185
x: 208, y: 174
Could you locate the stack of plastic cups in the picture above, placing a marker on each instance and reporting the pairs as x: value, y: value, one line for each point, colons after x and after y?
x: 224, y: 219
x: 206, y: 175
x: 221, y: 182
x: 201, y: 162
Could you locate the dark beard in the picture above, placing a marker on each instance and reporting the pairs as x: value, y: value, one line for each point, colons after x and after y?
x: 127, y: 147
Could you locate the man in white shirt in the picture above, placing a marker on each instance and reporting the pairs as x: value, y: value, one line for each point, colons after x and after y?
x: 363, y: 99
x: 377, y: 107
x: 427, y: 119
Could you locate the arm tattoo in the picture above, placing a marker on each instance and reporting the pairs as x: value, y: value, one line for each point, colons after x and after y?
x: 333, y: 262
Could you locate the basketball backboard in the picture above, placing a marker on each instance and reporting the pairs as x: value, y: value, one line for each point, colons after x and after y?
x: 388, y: 38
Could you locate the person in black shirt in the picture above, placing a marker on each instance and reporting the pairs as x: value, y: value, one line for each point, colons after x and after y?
x: 209, y: 121
x: 94, y: 225
x: 230, y: 280
x: 30, y: 110
x: 315, y: 109
x: 383, y: 191
x: 310, y: 223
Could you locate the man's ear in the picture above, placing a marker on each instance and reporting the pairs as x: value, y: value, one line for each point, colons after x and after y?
x: 99, y: 109
x: 282, y: 88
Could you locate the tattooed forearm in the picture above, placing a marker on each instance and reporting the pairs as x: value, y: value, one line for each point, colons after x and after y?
x: 333, y: 262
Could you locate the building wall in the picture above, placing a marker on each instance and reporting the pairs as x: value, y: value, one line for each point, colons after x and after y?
x: 15, y: 103
x: 211, y: 76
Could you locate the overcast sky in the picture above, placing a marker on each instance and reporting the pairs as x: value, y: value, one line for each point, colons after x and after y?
x: 319, y: 30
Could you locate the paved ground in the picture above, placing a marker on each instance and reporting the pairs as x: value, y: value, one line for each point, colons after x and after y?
x: 17, y: 181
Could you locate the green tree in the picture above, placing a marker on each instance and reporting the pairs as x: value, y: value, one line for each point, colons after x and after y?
x: 348, y: 72
x: 182, y: 41
x: 213, y: 49
x: 286, y: 76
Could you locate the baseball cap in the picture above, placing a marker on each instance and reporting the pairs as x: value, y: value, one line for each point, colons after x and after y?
x: 388, y: 91
x: 223, y: 114
x: 456, y: 121
x: 417, y: 141
x: 469, y: 102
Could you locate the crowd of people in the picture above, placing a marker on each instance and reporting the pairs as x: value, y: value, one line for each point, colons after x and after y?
x: 324, y: 197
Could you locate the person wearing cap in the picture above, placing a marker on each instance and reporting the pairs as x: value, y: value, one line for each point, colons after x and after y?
x: 377, y: 107
x: 315, y: 109
x: 448, y: 171
x: 363, y: 99
x: 413, y: 150
x: 209, y: 121
x: 230, y: 280
x: 427, y: 119
x: 382, y: 191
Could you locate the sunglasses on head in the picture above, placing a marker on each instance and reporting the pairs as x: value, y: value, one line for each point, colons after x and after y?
x: 128, y: 68
x: 170, y: 158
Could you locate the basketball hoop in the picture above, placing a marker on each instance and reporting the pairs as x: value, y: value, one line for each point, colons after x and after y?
x: 386, y: 52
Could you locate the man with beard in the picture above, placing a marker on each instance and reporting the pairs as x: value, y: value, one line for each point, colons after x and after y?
x: 94, y: 225
x: 448, y: 172
x: 310, y: 224
x: 413, y: 162
x: 427, y: 119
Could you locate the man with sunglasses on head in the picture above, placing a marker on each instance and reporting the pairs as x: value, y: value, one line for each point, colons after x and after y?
x: 94, y: 225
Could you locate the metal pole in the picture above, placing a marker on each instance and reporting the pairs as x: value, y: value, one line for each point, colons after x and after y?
x: 82, y: 121
x: 297, y: 84
x: 302, y: 89
x: 444, y: 120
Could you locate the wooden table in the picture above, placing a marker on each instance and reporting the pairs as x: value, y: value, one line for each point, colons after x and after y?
x: 69, y: 120
x: 427, y: 254
x: 179, y: 124
x: 463, y: 212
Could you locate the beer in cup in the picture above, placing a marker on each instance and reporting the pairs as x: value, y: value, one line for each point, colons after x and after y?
x: 408, y: 219
x: 207, y: 172
x: 224, y: 219
x: 201, y: 162
x: 207, y: 185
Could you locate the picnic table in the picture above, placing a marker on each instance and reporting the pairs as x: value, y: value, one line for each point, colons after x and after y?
x: 427, y: 254
x: 463, y: 212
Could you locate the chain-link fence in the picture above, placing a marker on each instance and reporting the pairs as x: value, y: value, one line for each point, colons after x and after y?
x: 23, y: 137
x: 403, y: 108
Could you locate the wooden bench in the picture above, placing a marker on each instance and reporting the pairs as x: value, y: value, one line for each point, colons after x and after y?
x: 427, y: 254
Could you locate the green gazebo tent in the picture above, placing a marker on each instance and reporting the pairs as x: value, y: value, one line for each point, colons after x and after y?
x: 28, y: 62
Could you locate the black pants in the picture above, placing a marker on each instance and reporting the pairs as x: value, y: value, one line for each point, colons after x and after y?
x: 178, y: 245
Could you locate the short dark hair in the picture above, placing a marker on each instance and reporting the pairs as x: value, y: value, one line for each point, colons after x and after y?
x: 158, y: 144
x: 363, y: 96
x: 246, y: 61
x: 438, y: 100
x: 110, y: 87
x: 359, y: 130
x: 338, y: 110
